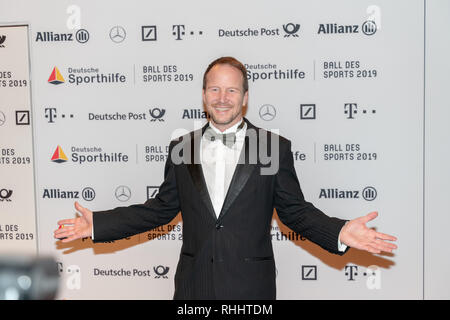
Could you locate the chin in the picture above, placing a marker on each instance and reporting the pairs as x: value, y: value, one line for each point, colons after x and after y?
x: 223, y: 121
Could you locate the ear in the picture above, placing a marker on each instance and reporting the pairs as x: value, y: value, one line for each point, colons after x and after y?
x: 245, y: 101
x: 203, y: 97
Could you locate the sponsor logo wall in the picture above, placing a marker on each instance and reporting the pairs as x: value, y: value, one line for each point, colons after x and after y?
x: 109, y: 94
x: 17, y: 199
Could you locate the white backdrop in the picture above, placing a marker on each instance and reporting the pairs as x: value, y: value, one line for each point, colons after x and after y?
x: 113, y: 82
x: 17, y: 201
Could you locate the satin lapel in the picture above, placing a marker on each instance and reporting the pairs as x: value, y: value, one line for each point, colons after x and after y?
x: 195, y: 169
x: 242, y: 172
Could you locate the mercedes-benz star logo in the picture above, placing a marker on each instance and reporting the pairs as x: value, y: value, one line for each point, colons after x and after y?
x: 117, y: 34
x: 267, y: 112
x: 2, y: 118
x: 123, y: 193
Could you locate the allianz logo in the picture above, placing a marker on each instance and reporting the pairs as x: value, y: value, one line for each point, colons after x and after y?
x: 368, y: 193
x: 87, y: 194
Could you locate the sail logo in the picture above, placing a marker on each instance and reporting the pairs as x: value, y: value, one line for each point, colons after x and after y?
x: 56, y: 77
x: 59, y: 156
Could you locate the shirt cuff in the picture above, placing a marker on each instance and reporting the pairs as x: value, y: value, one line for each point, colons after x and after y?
x: 341, y: 247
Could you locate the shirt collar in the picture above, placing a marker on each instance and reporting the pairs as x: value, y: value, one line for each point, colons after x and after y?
x: 229, y: 130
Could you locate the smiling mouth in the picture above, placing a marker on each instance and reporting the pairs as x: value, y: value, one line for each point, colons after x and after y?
x: 222, y: 108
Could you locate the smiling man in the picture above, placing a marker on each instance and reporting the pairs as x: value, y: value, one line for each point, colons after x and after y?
x: 227, y: 201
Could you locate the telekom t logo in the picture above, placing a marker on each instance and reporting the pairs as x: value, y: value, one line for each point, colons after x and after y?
x: 372, y: 273
x: 350, y: 109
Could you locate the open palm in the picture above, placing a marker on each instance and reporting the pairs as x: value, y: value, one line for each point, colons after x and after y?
x: 357, y: 235
x: 76, y: 228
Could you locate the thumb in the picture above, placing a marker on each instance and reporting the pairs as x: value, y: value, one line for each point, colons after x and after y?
x: 81, y: 209
x: 370, y: 216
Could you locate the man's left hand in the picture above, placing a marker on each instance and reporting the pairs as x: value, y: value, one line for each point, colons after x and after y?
x: 357, y: 235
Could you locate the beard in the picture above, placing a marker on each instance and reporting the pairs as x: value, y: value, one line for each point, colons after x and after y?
x: 221, y: 120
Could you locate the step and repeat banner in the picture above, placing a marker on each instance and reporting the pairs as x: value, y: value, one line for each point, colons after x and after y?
x: 17, y: 193
x: 114, y: 82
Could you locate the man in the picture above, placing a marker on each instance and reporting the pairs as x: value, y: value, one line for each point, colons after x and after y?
x: 220, y: 179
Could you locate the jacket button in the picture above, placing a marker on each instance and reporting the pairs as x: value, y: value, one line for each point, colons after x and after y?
x: 218, y: 226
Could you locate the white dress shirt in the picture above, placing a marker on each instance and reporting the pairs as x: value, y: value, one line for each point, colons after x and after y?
x: 219, y: 162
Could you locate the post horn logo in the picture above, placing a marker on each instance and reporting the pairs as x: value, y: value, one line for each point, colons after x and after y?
x: 5, y: 194
x: 291, y: 29
x: 161, y: 271
x: 56, y: 77
x: 157, y: 114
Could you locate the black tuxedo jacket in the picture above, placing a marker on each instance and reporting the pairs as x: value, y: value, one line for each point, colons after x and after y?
x: 229, y: 257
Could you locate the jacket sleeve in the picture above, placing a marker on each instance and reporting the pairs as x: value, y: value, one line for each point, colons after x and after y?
x: 123, y: 222
x: 298, y: 214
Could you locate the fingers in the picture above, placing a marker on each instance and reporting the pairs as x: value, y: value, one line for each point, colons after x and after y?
x: 384, y: 246
x: 59, y: 233
x: 384, y: 236
x: 66, y: 221
x: 376, y: 243
x: 64, y: 232
x: 67, y: 234
x: 372, y: 248
x: 373, y: 244
x: 64, y: 228
x: 378, y: 246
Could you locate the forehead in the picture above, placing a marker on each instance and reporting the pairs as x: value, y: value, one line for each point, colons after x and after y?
x: 224, y: 72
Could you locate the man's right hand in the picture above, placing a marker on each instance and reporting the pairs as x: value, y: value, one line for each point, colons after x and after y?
x: 72, y: 229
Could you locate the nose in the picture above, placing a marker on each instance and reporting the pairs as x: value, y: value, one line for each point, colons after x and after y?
x: 223, y: 96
